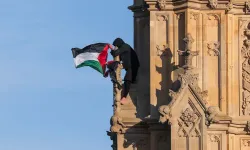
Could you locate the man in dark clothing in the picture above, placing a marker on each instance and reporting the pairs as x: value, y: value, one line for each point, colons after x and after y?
x: 130, y: 63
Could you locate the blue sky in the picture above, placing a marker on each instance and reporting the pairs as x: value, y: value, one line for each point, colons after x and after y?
x: 45, y: 103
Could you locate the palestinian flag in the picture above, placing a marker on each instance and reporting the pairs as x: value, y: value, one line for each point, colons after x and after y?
x: 93, y: 55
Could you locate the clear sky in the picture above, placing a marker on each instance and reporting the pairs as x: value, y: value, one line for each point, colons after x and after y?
x: 45, y: 103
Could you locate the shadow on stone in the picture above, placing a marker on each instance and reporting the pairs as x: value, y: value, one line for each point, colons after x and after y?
x: 162, y: 94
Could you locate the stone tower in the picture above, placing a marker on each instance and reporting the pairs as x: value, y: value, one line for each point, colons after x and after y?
x: 193, y: 90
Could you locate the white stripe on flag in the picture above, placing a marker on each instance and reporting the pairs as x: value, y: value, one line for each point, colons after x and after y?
x: 79, y: 59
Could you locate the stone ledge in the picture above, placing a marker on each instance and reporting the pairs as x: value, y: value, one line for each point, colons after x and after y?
x: 236, y: 7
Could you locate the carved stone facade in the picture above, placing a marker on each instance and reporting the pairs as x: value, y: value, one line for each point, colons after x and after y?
x: 193, y: 89
x: 246, y: 143
x: 189, y: 123
x: 213, y: 48
x: 245, y: 50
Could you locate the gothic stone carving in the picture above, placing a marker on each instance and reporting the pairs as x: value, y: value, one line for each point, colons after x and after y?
x: 188, y: 42
x: 162, y: 17
x: 246, y: 64
x: 189, y: 124
x: 213, y: 4
x: 213, y: 48
x: 117, y: 125
x: 162, y: 4
x: 194, y: 15
x: 214, y: 115
x: 214, y: 17
x: 161, y: 50
x: 229, y: 6
x: 246, y: 103
x: 215, y: 138
x: 192, y: 80
x: 178, y: 15
x: 245, y: 142
x: 188, y: 117
x: 188, y: 78
x: 245, y: 50
x: 165, y: 114
x: 188, y: 53
x: 211, y: 114
x: 185, y: 79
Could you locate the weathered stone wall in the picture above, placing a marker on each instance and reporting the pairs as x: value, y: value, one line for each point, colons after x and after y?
x: 206, y: 107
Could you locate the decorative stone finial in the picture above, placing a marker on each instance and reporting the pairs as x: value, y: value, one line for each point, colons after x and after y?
x: 188, y: 79
x: 187, y: 53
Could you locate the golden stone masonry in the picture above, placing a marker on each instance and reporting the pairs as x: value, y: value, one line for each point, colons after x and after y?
x: 193, y: 90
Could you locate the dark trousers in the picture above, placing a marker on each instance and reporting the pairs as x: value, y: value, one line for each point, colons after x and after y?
x: 130, y: 77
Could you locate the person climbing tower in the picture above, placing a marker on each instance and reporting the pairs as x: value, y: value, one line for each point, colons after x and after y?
x: 130, y: 63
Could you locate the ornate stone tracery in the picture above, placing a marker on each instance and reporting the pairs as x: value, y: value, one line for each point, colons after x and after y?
x: 194, y: 15
x: 245, y: 52
x: 188, y: 117
x: 188, y: 124
x: 188, y: 78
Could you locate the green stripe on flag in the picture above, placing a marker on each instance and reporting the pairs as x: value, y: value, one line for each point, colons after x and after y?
x: 93, y: 64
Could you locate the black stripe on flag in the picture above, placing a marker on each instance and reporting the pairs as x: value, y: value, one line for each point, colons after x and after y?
x: 92, y: 48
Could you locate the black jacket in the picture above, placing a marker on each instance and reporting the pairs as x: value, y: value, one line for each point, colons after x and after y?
x: 126, y: 53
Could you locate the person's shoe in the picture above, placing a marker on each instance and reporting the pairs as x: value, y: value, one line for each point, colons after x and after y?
x: 124, y: 101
